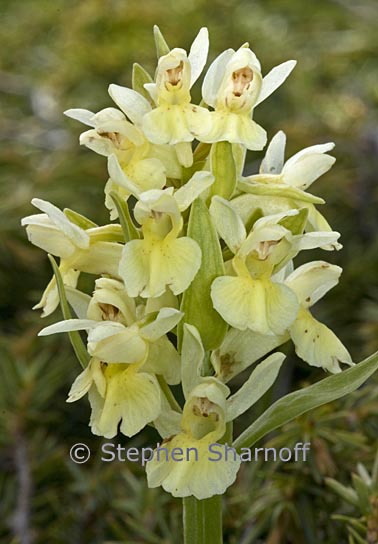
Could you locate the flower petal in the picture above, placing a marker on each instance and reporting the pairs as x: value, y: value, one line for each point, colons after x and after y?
x: 42, y: 233
x: 312, y: 281
x: 79, y: 301
x: 77, y: 235
x: 79, y: 114
x: 192, y: 355
x: 148, y: 271
x: 214, y: 76
x: 229, y: 225
x: 234, y: 128
x: 260, y: 305
x: 84, y: 381
x: 132, y: 399
x: 101, y: 258
x: 168, y: 125
x: 317, y: 149
x: 68, y: 325
x: 118, y: 176
x: 200, y: 477
x: 114, y: 343
x: 258, y: 383
x: 240, y: 349
x: 275, y: 78
x: 274, y: 159
x: 133, y: 104
x: 165, y: 321
x: 193, y: 188
x: 317, y: 344
x: 164, y: 359
x: 198, y: 54
x: 304, y: 172
x: 50, y: 297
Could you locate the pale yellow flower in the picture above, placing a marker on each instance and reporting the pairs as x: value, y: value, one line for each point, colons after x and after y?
x: 163, y: 258
x: 234, y: 86
x: 252, y: 298
x: 80, y: 250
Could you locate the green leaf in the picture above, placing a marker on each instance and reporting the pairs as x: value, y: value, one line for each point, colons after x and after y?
x: 363, y: 493
x: 347, y: 493
x: 75, y: 338
x: 78, y: 219
x: 129, y: 229
x: 357, y: 537
x: 140, y: 76
x: 308, y: 398
x: 295, y: 223
x: 162, y: 47
x: 223, y: 167
x: 196, y: 302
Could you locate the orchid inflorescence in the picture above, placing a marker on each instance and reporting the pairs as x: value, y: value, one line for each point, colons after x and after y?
x: 196, y: 281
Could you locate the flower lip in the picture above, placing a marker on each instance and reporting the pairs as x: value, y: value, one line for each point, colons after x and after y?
x: 241, y: 79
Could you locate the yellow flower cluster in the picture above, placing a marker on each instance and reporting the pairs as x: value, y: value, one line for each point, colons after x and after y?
x: 156, y: 296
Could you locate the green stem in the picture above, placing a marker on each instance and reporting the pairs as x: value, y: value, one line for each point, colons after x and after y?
x: 168, y: 393
x: 202, y: 520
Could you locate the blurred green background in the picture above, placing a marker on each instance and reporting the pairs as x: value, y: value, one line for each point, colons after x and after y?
x: 63, y: 54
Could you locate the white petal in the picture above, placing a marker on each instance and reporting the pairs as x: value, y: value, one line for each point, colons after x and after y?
x: 261, y: 379
x: 134, y: 267
x: 68, y: 325
x: 101, y: 258
x: 152, y: 90
x: 317, y: 344
x: 164, y: 359
x: 192, y: 354
x: 165, y: 321
x: 198, y: 54
x: 240, y: 349
x: 275, y: 78
x: 97, y: 143
x: 84, y: 116
x: 81, y: 385
x: 229, y: 225
x: 313, y: 240
x: 79, y: 301
x: 77, y: 235
x: 275, y: 155
x: 312, y: 281
x: 42, y: 233
x: 119, y: 177
x: 214, y: 76
x: 317, y: 149
x: 168, y: 422
x: 114, y: 343
x: 302, y: 173
x: 198, y: 183
x: 133, y: 104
